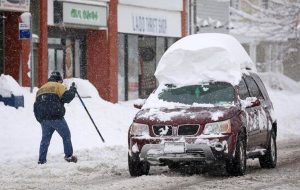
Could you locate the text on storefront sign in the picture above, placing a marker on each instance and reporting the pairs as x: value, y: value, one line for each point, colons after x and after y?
x: 84, y: 14
x: 88, y: 15
x: 149, y: 24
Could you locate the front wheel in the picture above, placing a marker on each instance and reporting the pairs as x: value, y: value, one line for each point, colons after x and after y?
x: 173, y: 166
x: 137, y: 167
x: 269, y: 160
x: 237, y: 166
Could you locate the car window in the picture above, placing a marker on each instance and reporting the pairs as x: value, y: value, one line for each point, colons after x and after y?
x: 243, y: 90
x: 218, y: 93
x: 253, y: 87
x: 261, y: 86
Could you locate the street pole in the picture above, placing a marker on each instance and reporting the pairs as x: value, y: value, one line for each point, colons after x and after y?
x: 31, y: 58
x: 25, y: 33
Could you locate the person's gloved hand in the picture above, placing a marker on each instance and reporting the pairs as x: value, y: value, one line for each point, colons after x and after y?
x: 73, y: 88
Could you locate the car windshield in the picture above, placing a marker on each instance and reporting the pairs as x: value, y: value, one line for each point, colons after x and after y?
x: 218, y: 93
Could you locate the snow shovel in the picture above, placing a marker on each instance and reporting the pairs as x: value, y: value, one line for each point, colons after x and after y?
x: 73, y: 84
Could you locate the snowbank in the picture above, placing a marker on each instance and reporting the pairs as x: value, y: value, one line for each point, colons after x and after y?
x: 21, y: 134
x: 84, y: 87
x: 279, y: 81
x: 9, y: 86
x: 203, y: 58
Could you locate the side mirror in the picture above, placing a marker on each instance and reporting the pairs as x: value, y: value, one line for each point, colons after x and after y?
x: 255, y: 103
x: 139, y: 103
x: 250, y: 102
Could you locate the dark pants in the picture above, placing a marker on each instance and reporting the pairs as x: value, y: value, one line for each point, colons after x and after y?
x: 48, y: 128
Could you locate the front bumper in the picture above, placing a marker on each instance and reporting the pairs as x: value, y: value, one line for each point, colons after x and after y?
x: 206, y: 151
x: 155, y: 155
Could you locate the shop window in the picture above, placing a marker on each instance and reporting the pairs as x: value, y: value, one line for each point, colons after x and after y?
x: 122, y: 90
x: 138, y: 57
x: 133, y: 67
x: 147, y: 63
x: 67, y: 55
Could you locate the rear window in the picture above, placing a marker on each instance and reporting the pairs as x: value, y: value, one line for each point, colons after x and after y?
x: 212, y: 93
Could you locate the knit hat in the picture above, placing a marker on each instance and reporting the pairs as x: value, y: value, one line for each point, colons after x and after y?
x: 55, y: 77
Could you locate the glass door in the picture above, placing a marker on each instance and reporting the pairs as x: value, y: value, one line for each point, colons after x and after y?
x: 67, y: 55
x: 55, y: 60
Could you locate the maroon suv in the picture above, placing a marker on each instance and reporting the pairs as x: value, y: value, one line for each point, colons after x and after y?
x: 212, y: 124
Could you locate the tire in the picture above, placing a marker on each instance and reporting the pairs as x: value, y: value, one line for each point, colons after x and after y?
x: 237, y: 165
x: 173, y: 166
x: 269, y: 160
x: 137, y: 167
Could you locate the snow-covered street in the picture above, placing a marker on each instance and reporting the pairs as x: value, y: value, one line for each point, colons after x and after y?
x: 104, y: 166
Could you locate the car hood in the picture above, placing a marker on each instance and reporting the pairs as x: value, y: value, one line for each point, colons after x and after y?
x: 183, y: 115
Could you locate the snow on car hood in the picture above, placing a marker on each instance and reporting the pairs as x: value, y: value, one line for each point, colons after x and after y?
x: 183, y: 115
x: 204, y: 58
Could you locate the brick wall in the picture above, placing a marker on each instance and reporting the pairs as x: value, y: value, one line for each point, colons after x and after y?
x: 16, y: 51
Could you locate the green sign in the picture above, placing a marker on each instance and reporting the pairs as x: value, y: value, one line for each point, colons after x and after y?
x: 84, y: 14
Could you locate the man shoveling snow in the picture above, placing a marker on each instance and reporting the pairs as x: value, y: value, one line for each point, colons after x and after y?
x: 49, y: 110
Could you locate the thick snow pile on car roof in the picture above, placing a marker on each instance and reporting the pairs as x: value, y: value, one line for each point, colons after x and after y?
x: 203, y: 58
x: 9, y: 86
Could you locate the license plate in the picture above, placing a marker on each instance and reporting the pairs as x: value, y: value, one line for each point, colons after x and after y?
x: 174, y: 147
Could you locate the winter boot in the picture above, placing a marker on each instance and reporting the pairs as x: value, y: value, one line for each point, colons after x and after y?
x: 71, y: 159
x: 42, y: 162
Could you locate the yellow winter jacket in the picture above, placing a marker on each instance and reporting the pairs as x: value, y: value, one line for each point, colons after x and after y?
x: 52, y: 87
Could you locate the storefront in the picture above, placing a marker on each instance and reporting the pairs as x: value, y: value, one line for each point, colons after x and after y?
x: 145, y: 30
x: 68, y: 25
x: 115, y: 44
x: 78, y: 38
x: 13, y: 52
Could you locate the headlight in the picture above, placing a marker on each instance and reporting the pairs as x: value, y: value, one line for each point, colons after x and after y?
x: 217, y: 128
x: 138, y: 129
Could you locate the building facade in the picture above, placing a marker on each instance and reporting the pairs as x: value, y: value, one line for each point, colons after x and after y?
x: 115, y: 44
x: 145, y: 30
x: 13, y: 52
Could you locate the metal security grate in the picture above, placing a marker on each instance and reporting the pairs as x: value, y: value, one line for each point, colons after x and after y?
x: 162, y: 130
x: 188, y: 129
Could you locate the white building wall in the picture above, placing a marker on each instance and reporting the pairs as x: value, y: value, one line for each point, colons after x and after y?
x: 174, y: 5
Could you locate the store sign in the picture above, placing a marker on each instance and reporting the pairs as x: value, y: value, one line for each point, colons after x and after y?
x: 24, y: 31
x: 15, y: 5
x: 25, y: 26
x: 82, y: 14
x: 138, y: 20
x: 148, y: 24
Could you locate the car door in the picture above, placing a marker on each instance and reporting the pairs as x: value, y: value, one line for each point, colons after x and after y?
x: 248, y: 116
x: 266, y: 105
x: 260, y: 123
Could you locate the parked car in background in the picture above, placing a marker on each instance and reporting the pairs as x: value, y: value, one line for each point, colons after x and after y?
x: 212, y: 122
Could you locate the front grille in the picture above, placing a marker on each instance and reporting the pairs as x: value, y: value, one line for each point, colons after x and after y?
x: 188, y: 129
x: 162, y: 130
x: 196, y: 153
